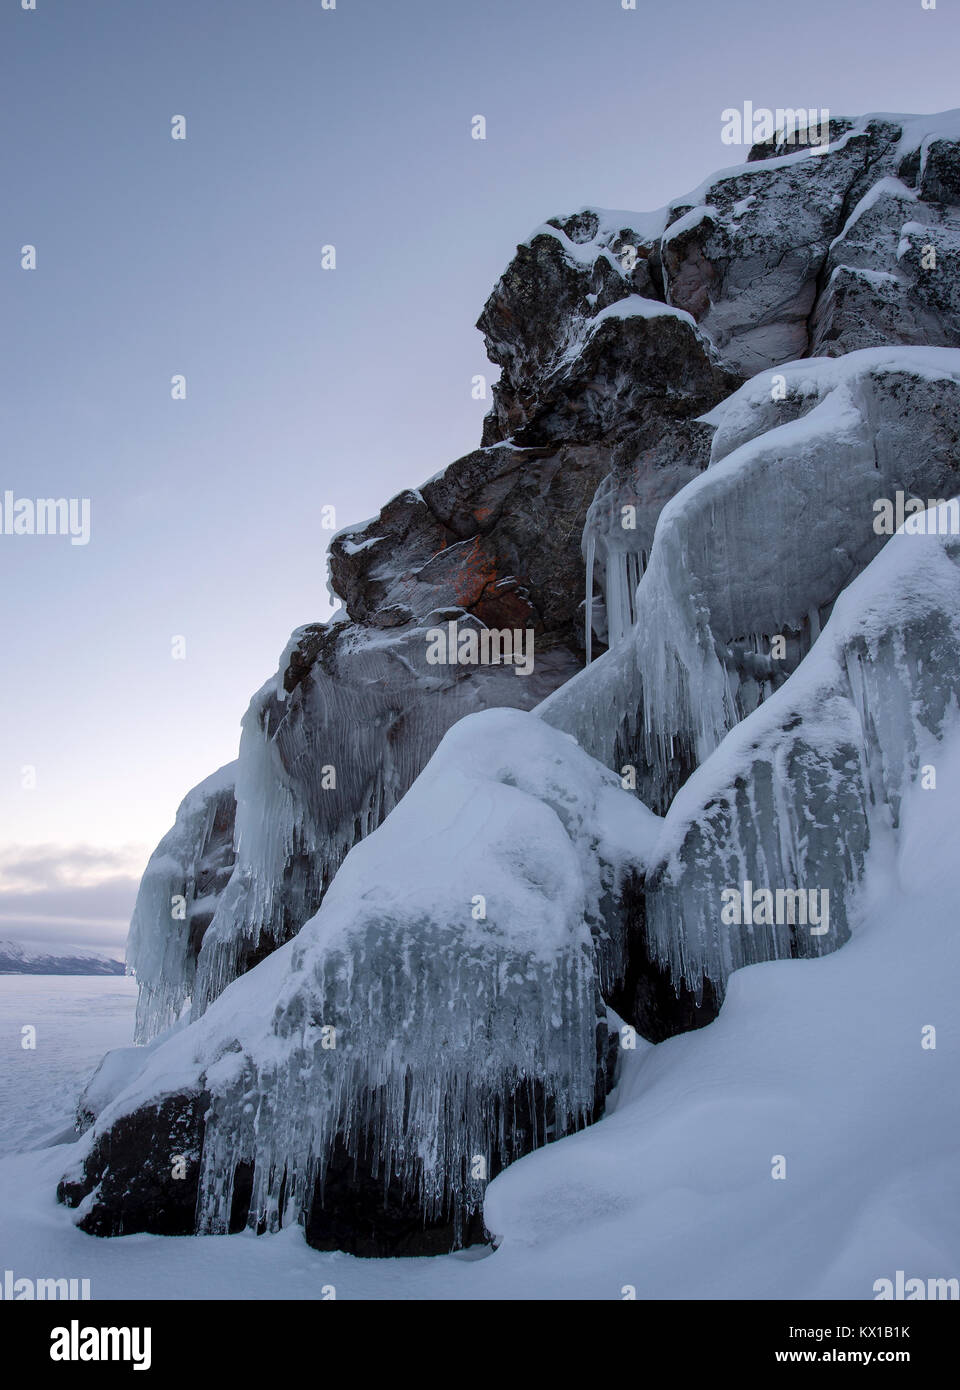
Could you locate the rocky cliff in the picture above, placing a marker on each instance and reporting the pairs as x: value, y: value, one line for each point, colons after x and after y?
x: 699, y: 412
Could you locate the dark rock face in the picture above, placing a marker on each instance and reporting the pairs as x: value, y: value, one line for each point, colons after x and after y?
x: 630, y: 375
x: 939, y: 175
x: 802, y: 139
x: 513, y: 568
x: 654, y: 1001
x: 545, y: 298
x: 132, y: 1169
x: 891, y: 273
x: 357, y: 1212
x: 475, y: 541
x: 747, y: 268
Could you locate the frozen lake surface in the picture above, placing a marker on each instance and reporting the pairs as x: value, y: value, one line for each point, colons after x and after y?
x: 77, y: 1019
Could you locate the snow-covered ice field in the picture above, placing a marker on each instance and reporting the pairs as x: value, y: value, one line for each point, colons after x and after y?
x: 78, y: 1018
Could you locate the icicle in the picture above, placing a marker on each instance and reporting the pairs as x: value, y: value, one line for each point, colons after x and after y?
x: 591, y: 553
x: 614, y: 593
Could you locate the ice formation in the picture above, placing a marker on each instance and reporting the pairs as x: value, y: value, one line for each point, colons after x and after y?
x: 320, y: 767
x: 792, y: 796
x: 177, y: 901
x: 757, y: 547
x: 441, y: 1014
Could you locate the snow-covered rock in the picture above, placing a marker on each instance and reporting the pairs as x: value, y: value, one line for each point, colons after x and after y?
x: 803, y: 1146
x: 440, y: 1015
x: 118, y: 1070
x: 322, y: 764
x: 748, y: 255
x: 794, y: 796
x: 755, y: 549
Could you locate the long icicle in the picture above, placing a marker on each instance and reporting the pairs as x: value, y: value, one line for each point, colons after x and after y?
x: 591, y: 552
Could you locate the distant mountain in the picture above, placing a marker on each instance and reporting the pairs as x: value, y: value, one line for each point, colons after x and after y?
x: 16, y: 959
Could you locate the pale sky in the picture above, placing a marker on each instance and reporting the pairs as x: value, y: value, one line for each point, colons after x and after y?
x: 305, y: 388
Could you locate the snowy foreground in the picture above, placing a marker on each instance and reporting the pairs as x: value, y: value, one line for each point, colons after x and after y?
x: 671, y: 1194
